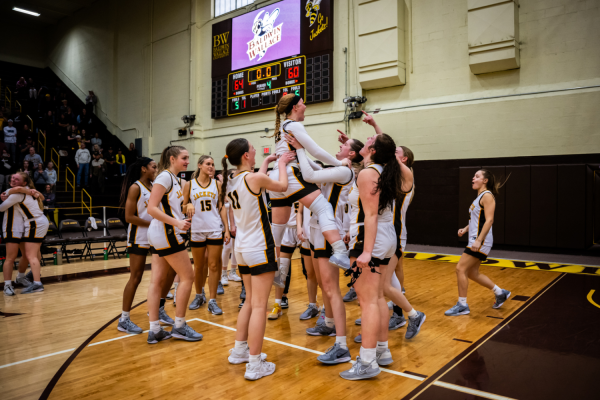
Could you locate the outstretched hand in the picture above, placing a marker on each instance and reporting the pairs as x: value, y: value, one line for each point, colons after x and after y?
x: 286, y: 158
x: 343, y: 138
x: 271, y: 158
x: 369, y: 120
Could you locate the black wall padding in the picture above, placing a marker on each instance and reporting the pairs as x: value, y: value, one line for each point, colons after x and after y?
x: 466, y: 195
x: 544, y: 189
x: 595, y: 212
x: 499, y: 214
x: 518, y: 205
x: 571, y: 206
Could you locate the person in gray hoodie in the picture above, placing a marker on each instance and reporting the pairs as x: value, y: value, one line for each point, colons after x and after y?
x: 83, y: 158
x: 40, y: 178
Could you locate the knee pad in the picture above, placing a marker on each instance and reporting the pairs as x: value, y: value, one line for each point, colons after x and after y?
x: 324, y: 212
x: 396, y: 282
x: 278, y: 232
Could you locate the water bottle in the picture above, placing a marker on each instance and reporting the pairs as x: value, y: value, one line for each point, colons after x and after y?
x: 105, y: 254
x: 55, y: 258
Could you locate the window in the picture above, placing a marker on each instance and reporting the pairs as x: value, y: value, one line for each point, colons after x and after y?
x: 225, y: 6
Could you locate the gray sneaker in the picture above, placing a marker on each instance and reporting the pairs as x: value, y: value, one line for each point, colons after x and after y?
x: 163, y: 317
x: 33, y: 288
x: 358, y: 339
x: 220, y: 289
x: 350, y: 296
x: 197, y: 302
x: 321, y: 330
x: 310, y: 312
x: 214, y: 308
x: 335, y: 355
x: 321, y: 319
x: 501, y: 299
x: 361, y: 371
x: 29, y: 276
x: 24, y: 282
x: 185, y: 332
x: 358, y: 321
x: 340, y: 260
x: 243, y: 293
x: 384, y: 357
x: 9, y: 290
x: 154, y: 338
x: 396, y: 321
x: 414, y: 325
x: 129, y: 327
x: 458, y: 309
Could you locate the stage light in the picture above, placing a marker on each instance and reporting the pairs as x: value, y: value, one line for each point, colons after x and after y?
x: 21, y: 10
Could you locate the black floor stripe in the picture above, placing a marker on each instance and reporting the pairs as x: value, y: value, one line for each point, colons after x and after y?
x: 491, y: 316
x: 461, y: 340
x: 415, y: 374
x: 520, y: 298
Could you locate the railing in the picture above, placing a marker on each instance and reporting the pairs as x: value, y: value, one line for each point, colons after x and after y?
x: 67, y: 183
x: 83, y: 202
x: 8, y: 97
x: 20, y: 106
x: 31, y: 126
x: 56, y: 162
x: 43, y: 145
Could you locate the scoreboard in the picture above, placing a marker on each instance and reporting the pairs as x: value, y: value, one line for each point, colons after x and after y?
x: 258, y: 57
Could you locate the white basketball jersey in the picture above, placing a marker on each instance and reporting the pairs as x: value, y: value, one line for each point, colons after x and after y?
x: 139, y: 234
x: 292, y: 221
x: 12, y: 223
x: 337, y: 195
x: 477, y: 220
x: 400, y: 208
x: 281, y: 146
x: 357, y: 214
x: 205, y: 201
x: 173, y: 198
x: 31, y: 208
x: 251, y: 216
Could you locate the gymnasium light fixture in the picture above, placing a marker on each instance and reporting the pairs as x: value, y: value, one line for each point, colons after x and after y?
x: 21, y: 10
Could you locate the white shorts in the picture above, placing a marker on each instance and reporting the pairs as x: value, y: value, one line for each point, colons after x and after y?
x: 164, y: 243
x: 201, y: 239
x: 297, y: 189
x: 318, y: 244
x: 385, y: 242
x: 257, y: 262
x: 35, y: 230
x: 290, y: 240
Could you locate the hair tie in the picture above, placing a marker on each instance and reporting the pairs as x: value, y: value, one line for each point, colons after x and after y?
x: 226, y: 156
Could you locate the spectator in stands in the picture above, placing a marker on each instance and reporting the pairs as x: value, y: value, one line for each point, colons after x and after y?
x: 32, y: 90
x: 63, y: 124
x: 83, y: 158
x: 52, y: 174
x: 6, y: 169
x: 96, y: 140
x: 23, y: 149
x: 34, y: 159
x: 110, y: 161
x: 46, y: 104
x: 90, y: 102
x: 25, y: 133
x: 26, y: 167
x: 84, y: 137
x: 48, y: 122
x: 21, y: 88
x: 2, y: 119
x: 40, y: 178
x: 97, y: 173
x: 120, y: 159
x: 49, y: 197
x: 73, y: 131
x: 96, y: 149
x: 64, y: 108
x: 132, y: 154
x: 10, y: 139
x: 70, y: 115
x: 75, y: 142
x: 84, y: 119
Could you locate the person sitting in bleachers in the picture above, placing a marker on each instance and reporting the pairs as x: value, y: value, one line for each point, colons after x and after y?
x: 49, y: 197
x: 52, y: 174
x: 23, y: 148
x: 34, y: 159
x: 120, y: 160
x: 96, y: 140
x: 26, y: 167
x: 40, y: 178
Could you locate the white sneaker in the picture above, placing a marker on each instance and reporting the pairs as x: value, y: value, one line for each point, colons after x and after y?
x: 259, y: 370
x: 8, y: 290
x: 169, y: 296
x: 391, y: 305
x: 233, y: 276
x: 242, y: 356
x: 224, y: 280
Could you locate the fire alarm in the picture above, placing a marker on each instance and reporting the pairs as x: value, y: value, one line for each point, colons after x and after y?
x: 266, y: 150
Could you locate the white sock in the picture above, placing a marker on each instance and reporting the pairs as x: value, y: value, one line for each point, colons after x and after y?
x: 382, y: 345
x: 124, y: 315
x: 223, y: 272
x: 329, y: 322
x: 241, y: 344
x: 462, y: 301
x: 339, y: 247
x: 20, y: 275
x: 367, y: 356
x: 342, y: 341
x: 497, y: 290
x: 212, y: 300
x: 278, y: 301
x: 179, y: 322
x: 155, y: 326
x: 313, y: 305
x: 202, y: 290
x: 254, y: 359
x: 412, y: 313
x: 176, y: 284
x: 37, y: 282
x: 8, y: 283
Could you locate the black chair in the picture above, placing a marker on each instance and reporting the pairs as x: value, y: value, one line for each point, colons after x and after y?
x: 117, y: 230
x: 52, y: 239
x: 96, y: 236
x: 72, y: 233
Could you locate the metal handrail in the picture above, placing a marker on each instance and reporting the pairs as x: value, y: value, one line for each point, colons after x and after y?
x: 67, y: 183
x: 8, y: 98
x: 40, y: 141
x: 20, y: 106
x: 57, y: 162
x: 31, y: 123
x: 83, y: 202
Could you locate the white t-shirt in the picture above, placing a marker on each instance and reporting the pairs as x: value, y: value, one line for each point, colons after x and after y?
x: 10, y: 134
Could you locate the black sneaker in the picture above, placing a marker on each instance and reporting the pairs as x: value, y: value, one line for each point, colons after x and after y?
x: 284, y: 302
x: 242, y: 303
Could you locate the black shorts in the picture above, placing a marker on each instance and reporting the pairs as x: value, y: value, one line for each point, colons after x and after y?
x: 305, y: 252
x: 377, y: 261
x: 136, y: 249
x: 207, y: 242
x: 475, y: 254
x: 326, y: 252
x: 11, y: 239
x: 171, y: 250
x: 288, y: 249
x: 399, y: 253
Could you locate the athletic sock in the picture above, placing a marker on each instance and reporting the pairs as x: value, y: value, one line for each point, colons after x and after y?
x: 202, y: 290
x: 37, y: 282
x: 223, y: 272
x: 342, y: 341
x: 278, y: 301
x: 212, y: 301
x: 329, y: 322
x: 382, y: 345
x: 367, y: 356
x: 339, y: 247
x: 175, y: 285
x: 497, y: 290
x: 462, y: 301
x: 8, y: 283
x: 162, y: 302
x: 412, y: 313
x: 254, y: 359
x: 179, y: 322
x: 20, y: 275
x: 241, y: 344
x: 124, y: 315
x: 397, y: 310
x: 313, y: 305
x: 155, y: 326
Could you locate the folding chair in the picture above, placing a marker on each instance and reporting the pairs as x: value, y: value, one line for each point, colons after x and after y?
x: 52, y: 239
x: 72, y: 233
x: 117, y: 230
x: 96, y: 236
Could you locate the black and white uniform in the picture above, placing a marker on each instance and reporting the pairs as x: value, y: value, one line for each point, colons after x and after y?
x: 254, y: 244
x: 137, y: 236
x: 305, y: 246
x: 290, y: 238
x: 385, y: 241
x: 207, y: 226
x: 476, y: 222
x: 12, y: 223
x: 400, y: 207
x: 34, y: 222
x: 298, y: 188
x: 163, y: 238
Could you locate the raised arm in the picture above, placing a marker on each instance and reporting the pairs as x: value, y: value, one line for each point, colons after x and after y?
x: 311, y: 146
x: 265, y: 165
x: 258, y: 181
x: 369, y: 120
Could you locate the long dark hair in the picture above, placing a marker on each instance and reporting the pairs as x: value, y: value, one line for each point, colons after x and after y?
x: 493, y: 184
x: 233, y: 152
x: 134, y: 173
x: 389, y: 184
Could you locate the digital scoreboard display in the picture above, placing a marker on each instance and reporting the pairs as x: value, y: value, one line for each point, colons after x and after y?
x: 286, y: 47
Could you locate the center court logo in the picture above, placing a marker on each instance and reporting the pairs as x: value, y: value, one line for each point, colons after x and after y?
x: 265, y: 34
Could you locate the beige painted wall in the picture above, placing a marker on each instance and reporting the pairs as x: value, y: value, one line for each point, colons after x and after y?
x: 149, y: 62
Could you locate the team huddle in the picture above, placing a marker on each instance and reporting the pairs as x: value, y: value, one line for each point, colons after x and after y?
x: 350, y: 216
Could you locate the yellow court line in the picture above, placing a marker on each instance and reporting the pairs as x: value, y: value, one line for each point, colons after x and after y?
x: 589, y: 297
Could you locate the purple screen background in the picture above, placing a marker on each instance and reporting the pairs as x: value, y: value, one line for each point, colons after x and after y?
x: 289, y: 15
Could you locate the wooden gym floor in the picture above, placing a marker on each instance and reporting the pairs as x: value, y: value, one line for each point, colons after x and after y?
x: 63, y: 343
